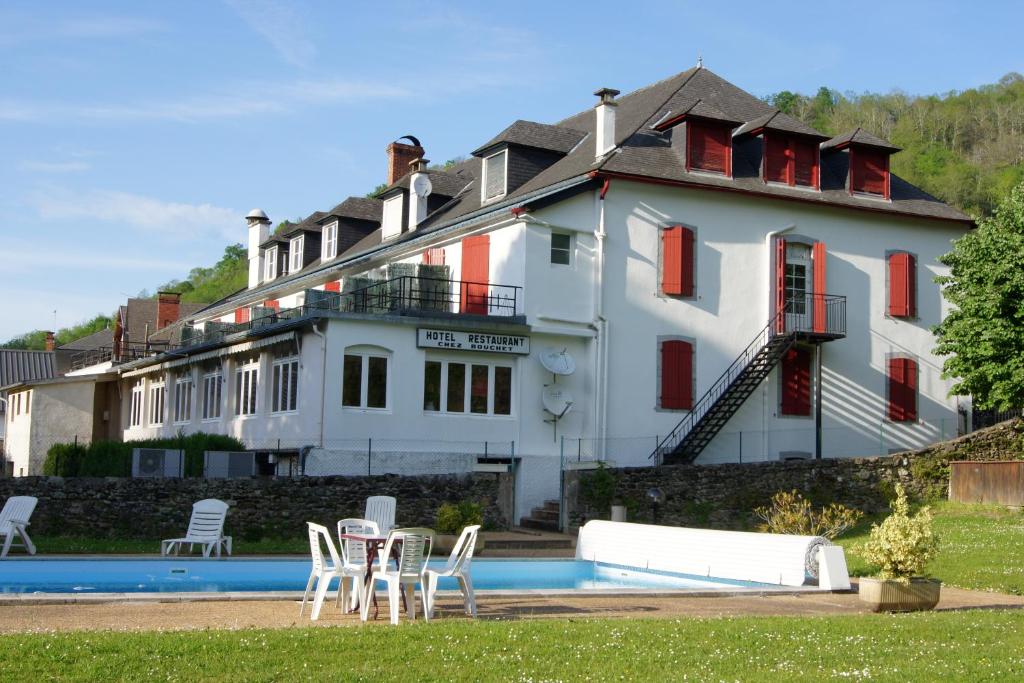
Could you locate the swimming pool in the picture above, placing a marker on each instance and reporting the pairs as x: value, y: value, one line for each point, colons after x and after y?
x: 184, y: 575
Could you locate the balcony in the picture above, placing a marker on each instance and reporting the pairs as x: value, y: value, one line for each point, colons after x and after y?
x: 119, y: 353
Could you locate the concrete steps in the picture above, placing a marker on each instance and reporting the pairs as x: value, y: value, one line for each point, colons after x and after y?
x: 543, y: 518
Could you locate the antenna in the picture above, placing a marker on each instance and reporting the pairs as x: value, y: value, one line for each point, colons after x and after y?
x: 700, y: 61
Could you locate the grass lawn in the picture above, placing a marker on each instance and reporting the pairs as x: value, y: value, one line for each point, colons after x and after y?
x: 59, y: 545
x: 982, y: 547
x: 961, y: 646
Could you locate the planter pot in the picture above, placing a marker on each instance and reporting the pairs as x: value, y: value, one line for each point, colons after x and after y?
x: 618, y: 513
x: 892, y: 596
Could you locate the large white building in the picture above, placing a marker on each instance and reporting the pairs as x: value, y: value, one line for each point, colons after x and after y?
x: 729, y: 283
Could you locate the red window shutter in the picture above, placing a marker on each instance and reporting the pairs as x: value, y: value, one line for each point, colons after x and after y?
x: 818, y: 285
x: 272, y: 303
x: 805, y: 161
x: 677, y: 261
x: 902, y: 389
x: 676, y: 375
x: 911, y: 286
x: 796, y: 382
x: 475, y: 273
x: 776, y: 158
x: 899, y: 280
x: 334, y: 286
x: 869, y: 171
x: 434, y: 256
x: 780, y: 285
x: 710, y: 147
x: 241, y: 315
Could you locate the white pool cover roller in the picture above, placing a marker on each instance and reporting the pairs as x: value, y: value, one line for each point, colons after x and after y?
x: 778, y: 559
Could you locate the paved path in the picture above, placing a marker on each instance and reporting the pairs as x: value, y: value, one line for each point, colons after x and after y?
x: 284, y: 614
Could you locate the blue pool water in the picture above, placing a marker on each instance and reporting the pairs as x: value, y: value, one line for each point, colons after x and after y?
x: 198, y: 575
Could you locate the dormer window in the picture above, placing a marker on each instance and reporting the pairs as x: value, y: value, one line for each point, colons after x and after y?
x: 392, y: 225
x: 295, y: 263
x: 869, y: 171
x: 329, y: 244
x: 708, y: 147
x: 270, y: 264
x: 790, y: 160
x: 495, y: 180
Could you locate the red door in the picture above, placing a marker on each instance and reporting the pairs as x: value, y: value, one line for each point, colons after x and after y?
x: 475, y: 274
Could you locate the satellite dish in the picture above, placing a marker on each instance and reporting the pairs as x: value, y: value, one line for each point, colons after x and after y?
x: 559, y: 362
x: 557, y: 401
x: 421, y: 185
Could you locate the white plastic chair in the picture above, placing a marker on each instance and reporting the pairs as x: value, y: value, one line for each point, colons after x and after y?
x: 412, y: 565
x: 353, y: 553
x: 13, y: 519
x: 458, y: 566
x: 205, y: 529
x: 381, y: 509
x: 323, y: 572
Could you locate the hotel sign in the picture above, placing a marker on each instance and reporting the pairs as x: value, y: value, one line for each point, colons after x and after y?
x: 455, y: 340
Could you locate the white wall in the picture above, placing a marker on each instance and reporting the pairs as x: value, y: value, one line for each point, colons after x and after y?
x: 58, y: 414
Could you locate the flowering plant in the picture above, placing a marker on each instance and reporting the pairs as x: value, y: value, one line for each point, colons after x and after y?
x: 902, y: 545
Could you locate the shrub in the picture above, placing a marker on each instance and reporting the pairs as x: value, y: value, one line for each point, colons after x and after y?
x: 114, y: 458
x: 452, y: 518
x: 901, y: 546
x: 791, y: 513
x: 64, y: 460
x: 597, y: 489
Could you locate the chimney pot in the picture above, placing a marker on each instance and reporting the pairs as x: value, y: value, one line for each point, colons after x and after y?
x: 607, y: 95
x: 50, y: 344
x: 418, y: 165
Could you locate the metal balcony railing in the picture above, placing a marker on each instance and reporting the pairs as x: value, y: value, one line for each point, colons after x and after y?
x: 118, y: 353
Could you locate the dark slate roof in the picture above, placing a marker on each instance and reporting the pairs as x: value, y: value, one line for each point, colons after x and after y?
x: 444, y: 183
x: 362, y: 208
x: 140, y: 312
x: 275, y: 239
x: 310, y: 223
x: 96, y: 340
x: 705, y: 110
x: 20, y: 366
x: 538, y: 135
x: 780, y: 121
x: 858, y: 136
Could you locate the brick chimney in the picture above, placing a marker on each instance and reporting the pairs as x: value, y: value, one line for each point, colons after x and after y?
x: 400, y: 155
x: 49, y: 341
x: 168, y: 306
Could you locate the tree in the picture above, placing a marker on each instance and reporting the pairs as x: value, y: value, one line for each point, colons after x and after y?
x: 36, y: 340
x: 984, y: 334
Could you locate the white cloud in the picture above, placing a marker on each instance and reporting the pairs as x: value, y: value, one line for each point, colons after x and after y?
x: 137, y: 211
x: 55, y: 166
x: 280, y: 25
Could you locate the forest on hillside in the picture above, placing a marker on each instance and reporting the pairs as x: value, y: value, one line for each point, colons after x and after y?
x: 964, y: 147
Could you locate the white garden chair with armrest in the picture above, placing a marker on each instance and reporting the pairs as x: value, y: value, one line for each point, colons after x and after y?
x: 412, y: 565
x: 353, y: 552
x: 13, y: 519
x: 323, y: 571
x: 381, y: 509
x: 205, y: 529
x: 458, y: 566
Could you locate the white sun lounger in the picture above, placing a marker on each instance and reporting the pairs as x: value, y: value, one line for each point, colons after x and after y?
x: 205, y: 529
x: 13, y: 519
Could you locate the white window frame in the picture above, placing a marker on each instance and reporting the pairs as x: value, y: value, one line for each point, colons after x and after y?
x: 157, y: 399
x: 284, y: 398
x: 483, y: 183
x: 270, y: 264
x: 247, y: 386
x: 183, y: 399
x: 389, y: 231
x: 295, y: 251
x: 365, y: 353
x: 135, y: 409
x: 28, y: 400
x: 329, y: 242
x: 213, y: 395
x: 442, y: 408
x: 571, y: 248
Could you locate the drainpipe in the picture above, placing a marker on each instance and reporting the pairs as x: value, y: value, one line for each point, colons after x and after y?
x: 601, y: 361
x: 323, y: 383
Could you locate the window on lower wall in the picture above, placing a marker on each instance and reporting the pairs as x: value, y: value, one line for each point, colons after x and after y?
x: 902, y: 389
x: 677, y: 261
x: 246, y: 387
x: 561, y: 248
x: 795, y: 398
x: 135, y: 412
x: 156, y: 403
x: 475, y: 388
x: 183, y: 399
x: 286, y: 385
x: 675, y: 374
x: 365, y: 380
x: 212, y: 392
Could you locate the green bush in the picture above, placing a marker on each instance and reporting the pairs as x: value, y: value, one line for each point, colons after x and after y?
x: 114, y: 458
x: 452, y: 518
x: 597, y: 489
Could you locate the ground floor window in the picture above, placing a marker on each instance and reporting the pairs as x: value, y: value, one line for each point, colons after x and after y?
x: 212, y: 382
x: 156, y: 403
x: 246, y: 384
x: 286, y: 385
x: 183, y: 399
x: 459, y: 387
x: 135, y: 412
x: 795, y: 395
x: 365, y: 380
x: 902, y: 389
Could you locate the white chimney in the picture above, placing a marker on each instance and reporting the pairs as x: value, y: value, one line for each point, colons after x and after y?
x: 419, y: 191
x: 259, y: 232
x: 605, y: 128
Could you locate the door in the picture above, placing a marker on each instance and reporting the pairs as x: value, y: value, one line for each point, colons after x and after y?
x: 475, y: 274
x: 799, y: 287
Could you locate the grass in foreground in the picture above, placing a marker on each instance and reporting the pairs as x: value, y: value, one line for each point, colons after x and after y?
x: 981, y: 547
x: 73, y: 545
x: 968, y: 646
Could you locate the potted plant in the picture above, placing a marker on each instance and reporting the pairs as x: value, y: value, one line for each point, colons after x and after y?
x: 900, y: 547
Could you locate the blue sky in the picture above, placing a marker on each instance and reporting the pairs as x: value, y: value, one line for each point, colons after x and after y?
x: 135, y: 136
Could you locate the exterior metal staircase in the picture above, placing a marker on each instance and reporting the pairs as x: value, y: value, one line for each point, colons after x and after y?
x: 821, y: 318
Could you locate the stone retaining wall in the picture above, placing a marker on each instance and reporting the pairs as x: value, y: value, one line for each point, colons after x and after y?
x: 260, y: 508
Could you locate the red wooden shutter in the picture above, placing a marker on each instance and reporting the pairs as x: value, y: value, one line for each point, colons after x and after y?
x: 710, y: 147
x: 902, y: 389
x: 676, y: 375
x: 818, y: 258
x: 272, y: 303
x: 805, y: 161
x: 677, y: 261
x: 899, y: 297
x: 241, y: 315
x: 334, y: 286
x: 780, y: 285
x: 475, y: 273
x: 869, y: 171
x: 911, y: 285
x: 776, y: 159
x: 434, y: 256
x: 796, y: 382
x: 686, y: 273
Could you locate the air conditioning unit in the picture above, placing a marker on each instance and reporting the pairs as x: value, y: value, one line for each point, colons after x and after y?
x: 157, y: 463
x: 229, y: 464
